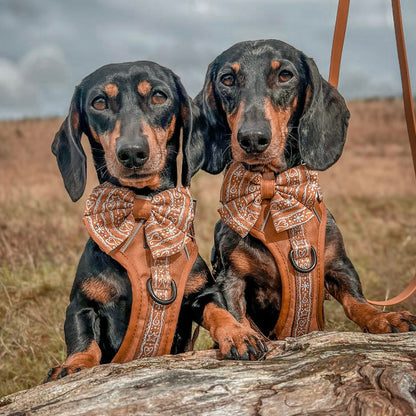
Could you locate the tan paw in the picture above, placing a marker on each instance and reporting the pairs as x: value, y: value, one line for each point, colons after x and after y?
x: 386, y: 322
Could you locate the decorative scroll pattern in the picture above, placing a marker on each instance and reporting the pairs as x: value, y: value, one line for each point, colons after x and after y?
x: 296, y: 191
x: 161, y: 283
x: 109, y: 218
x: 303, y: 281
x: 292, y: 196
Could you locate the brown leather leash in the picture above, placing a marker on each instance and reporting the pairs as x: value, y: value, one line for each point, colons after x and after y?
x: 338, y: 41
x: 337, y: 45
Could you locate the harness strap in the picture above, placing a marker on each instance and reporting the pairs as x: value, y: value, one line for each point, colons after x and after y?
x: 152, y: 324
x: 337, y: 45
x: 299, y: 256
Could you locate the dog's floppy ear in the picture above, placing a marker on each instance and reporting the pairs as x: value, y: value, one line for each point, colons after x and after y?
x: 212, y: 125
x: 68, y: 150
x: 192, y: 146
x: 323, y: 124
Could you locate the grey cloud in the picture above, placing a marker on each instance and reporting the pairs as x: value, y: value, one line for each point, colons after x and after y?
x: 35, y: 85
x: 186, y: 36
x: 45, y: 66
x: 16, y: 94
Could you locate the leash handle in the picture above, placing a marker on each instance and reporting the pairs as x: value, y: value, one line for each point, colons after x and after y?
x: 337, y: 45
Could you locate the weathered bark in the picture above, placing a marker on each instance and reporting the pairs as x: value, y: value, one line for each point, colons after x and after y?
x: 317, y: 374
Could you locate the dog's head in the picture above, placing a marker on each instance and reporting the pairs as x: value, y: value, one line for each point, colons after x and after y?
x: 132, y: 114
x: 266, y: 105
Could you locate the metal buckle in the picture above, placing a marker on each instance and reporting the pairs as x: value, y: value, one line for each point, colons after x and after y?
x: 158, y: 300
x: 299, y: 269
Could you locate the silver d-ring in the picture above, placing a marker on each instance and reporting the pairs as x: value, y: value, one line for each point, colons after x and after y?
x: 299, y: 269
x: 158, y: 300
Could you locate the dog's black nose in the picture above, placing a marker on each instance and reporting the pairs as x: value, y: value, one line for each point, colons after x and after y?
x: 253, y: 141
x: 132, y: 153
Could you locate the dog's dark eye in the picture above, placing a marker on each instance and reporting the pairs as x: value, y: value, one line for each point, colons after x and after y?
x: 285, y: 76
x: 99, y: 103
x: 228, y: 80
x: 159, y: 97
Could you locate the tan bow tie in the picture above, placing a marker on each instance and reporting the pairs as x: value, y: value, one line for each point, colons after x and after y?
x: 292, y: 195
x: 111, y: 212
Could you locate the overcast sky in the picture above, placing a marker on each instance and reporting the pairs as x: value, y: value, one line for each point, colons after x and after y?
x: 48, y: 46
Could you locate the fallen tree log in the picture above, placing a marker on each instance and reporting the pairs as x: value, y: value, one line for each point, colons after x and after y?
x: 317, y: 374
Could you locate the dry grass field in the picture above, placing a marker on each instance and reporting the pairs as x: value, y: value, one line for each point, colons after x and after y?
x: 371, y: 192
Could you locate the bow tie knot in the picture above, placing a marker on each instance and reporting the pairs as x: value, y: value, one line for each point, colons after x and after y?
x: 142, y: 208
x: 111, y: 213
x: 292, y: 195
x: 267, y: 186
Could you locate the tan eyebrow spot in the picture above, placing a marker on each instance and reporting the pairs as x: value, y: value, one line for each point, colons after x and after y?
x: 235, y: 66
x: 144, y: 87
x: 275, y: 64
x: 111, y: 90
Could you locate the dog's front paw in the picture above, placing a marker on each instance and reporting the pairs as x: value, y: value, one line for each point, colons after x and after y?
x: 385, y: 322
x: 239, y: 342
x: 60, y: 371
x: 76, y: 362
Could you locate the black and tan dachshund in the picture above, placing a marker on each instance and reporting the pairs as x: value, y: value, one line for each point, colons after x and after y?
x: 265, y: 104
x: 132, y: 114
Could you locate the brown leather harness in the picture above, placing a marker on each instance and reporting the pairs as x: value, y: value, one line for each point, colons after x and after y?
x: 287, y: 215
x: 299, y: 256
x: 153, y: 240
x: 156, y: 300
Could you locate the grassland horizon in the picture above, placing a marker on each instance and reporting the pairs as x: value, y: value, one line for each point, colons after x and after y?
x: 371, y: 192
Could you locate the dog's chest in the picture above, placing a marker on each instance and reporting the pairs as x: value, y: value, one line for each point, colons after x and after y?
x: 255, y: 263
